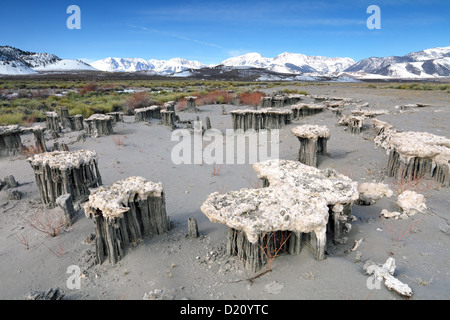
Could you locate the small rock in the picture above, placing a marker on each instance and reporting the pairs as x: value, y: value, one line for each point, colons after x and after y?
x: 14, y: 195
x: 274, y: 287
x: 52, y: 294
x: 10, y: 182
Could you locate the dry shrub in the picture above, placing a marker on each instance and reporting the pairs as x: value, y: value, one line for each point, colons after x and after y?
x: 250, y: 98
x: 49, y: 223
x: 30, y: 151
x: 22, y: 239
x: 119, y: 140
x: 39, y: 94
x: 215, y: 96
x: 28, y: 121
x: 138, y: 100
x: 417, y: 184
x: 216, y: 170
x: 181, y: 104
x: 90, y: 87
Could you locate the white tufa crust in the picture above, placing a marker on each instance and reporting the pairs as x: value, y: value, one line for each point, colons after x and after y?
x: 297, y: 199
x: 369, y: 192
x: 351, y: 119
x: 411, y: 202
x: 420, y: 144
x: 10, y: 129
x: 412, y: 144
x: 260, y: 111
x: 256, y: 211
x: 336, y: 188
x: 151, y: 108
x: 112, y: 201
x: 52, y: 114
x: 310, y: 131
x: 307, y: 106
x: 369, y: 113
x: 63, y: 160
x: 99, y: 117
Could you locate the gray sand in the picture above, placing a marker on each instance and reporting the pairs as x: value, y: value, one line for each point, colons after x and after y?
x: 198, y: 268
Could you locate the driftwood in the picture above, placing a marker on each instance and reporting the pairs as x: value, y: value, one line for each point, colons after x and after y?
x: 98, y: 125
x: 313, y: 141
x: 124, y: 213
x: 267, y: 118
x: 386, y: 272
x: 61, y: 172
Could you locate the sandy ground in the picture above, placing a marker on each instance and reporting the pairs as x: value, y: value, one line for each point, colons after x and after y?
x: 185, y: 268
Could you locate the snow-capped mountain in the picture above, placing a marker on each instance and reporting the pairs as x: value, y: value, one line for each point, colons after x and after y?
x: 122, y: 64
x: 16, y: 61
x: 429, y: 63
x: 161, y: 67
x: 249, y: 60
x: 295, y: 63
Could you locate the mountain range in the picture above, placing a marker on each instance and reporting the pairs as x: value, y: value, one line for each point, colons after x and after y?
x: 425, y: 64
x: 16, y: 61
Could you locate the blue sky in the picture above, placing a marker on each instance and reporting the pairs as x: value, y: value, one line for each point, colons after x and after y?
x: 212, y: 31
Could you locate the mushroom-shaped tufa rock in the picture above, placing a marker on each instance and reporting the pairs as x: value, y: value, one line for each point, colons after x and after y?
x: 414, y: 155
x: 353, y: 122
x: 267, y: 118
x: 64, y: 172
x: 302, y: 110
x: 99, y: 125
x: 124, y: 213
x: 313, y: 140
x: 10, y: 141
x: 297, y: 200
x: 190, y: 104
x: 147, y: 113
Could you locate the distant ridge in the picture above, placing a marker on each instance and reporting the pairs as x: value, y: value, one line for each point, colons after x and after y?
x: 431, y: 63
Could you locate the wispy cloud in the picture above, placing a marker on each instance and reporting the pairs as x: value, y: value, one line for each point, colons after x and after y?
x: 174, y: 35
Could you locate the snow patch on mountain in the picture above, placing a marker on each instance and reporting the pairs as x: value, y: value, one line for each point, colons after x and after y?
x: 65, y: 65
